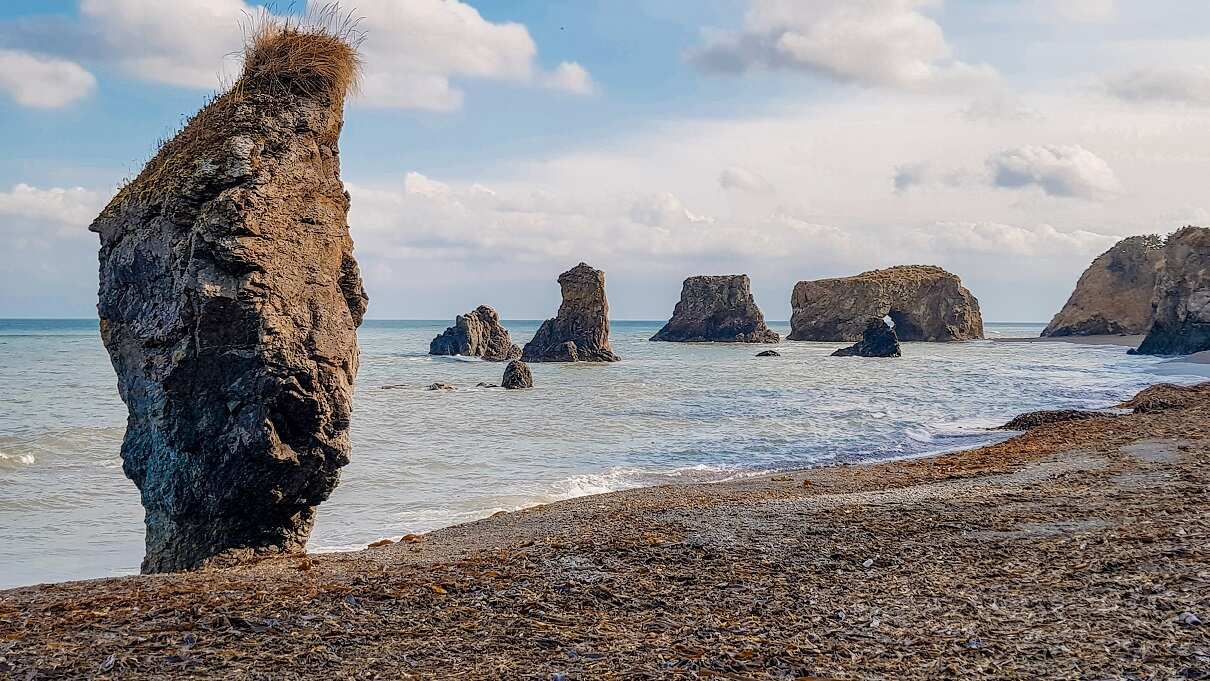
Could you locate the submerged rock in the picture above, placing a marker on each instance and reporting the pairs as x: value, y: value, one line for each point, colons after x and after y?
x: 1180, y: 323
x: 1113, y: 296
x: 580, y: 331
x: 441, y: 386
x: 517, y: 376
x: 229, y: 301
x: 925, y: 302
x: 769, y: 353
x: 719, y: 309
x: 477, y: 333
x: 878, y: 340
x: 1035, y: 419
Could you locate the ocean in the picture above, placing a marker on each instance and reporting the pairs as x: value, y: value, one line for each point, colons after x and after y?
x: 668, y: 413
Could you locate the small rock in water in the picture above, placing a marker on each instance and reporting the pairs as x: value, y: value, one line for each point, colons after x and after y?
x: 517, y: 376
x: 393, y: 386
x: 380, y: 542
x: 1189, y: 619
x: 481, y: 384
x: 441, y: 386
x: 769, y: 353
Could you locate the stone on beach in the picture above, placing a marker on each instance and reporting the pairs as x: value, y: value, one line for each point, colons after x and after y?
x: 517, y: 376
x: 580, y: 330
x: 477, y: 333
x: 926, y: 303
x: 1035, y: 419
x: 719, y: 309
x: 229, y: 301
x: 878, y: 340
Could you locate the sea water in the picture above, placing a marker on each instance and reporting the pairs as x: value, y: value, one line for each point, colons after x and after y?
x: 667, y: 413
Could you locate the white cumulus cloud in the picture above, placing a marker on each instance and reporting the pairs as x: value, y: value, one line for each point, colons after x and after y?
x: 72, y: 207
x: 43, y: 82
x: 1065, y: 171
x: 742, y: 179
x: 890, y: 43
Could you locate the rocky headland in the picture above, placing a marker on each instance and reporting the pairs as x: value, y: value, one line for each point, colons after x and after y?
x: 229, y: 301
x: 717, y: 309
x: 1180, y: 323
x: 878, y: 340
x: 580, y: 330
x: 477, y: 333
x: 925, y: 302
x: 1114, y: 295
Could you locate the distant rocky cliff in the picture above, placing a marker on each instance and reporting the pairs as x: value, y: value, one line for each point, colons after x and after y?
x: 1114, y: 294
x: 580, y: 331
x: 477, y: 333
x: 717, y: 308
x: 229, y: 302
x: 1180, y: 322
x: 926, y: 303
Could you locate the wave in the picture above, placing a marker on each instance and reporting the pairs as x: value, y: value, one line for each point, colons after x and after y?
x: 13, y: 461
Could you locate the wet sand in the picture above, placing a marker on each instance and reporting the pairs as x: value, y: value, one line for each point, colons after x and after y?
x: 1076, y: 550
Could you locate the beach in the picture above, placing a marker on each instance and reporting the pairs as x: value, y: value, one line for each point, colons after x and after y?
x: 1077, y: 549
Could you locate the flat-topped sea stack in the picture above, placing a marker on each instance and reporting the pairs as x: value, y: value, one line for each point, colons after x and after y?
x: 229, y: 303
x: 1114, y: 295
x: 878, y: 340
x: 477, y: 333
x: 1180, y: 323
x: 717, y: 309
x: 926, y: 303
x: 580, y: 331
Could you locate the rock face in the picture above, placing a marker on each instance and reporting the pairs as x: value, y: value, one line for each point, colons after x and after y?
x: 1113, y: 296
x: 517, y: 376
x: 878, y: 340
x: 229, y: 302
x: 1180, y: 321
x: 580, y: 331
x: 720, y: 309
x: 477, y: 333
x: 925, y: 302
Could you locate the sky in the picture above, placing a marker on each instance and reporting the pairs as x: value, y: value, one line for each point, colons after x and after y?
x: 496, y: 143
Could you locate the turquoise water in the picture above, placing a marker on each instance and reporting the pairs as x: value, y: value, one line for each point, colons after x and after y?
x: 667, y: 413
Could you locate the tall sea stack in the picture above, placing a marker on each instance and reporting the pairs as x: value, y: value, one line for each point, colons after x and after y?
x: 1113, y: 296
x: 580, y: 331
x: 717, y: 309
x: 229, y: 303
x: 1180, y: 323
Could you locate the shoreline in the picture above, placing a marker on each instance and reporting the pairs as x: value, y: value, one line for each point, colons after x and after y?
x: 1124, y: 341
x: 1029, y: 557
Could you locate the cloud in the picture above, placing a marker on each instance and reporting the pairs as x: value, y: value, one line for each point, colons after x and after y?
x: 744, y: 180
x: 73, y: 208
x: 413, y: 51
x: 1189, y: 85
x: 43, y: 82
x: 1065, y: 171
x: 886, y: 43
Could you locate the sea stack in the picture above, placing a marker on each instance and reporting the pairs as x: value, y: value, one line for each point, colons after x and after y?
x: 1113, y: 296
x: 477, y: 333
x: 580, y: 331
x: 517, y: 376
x: 229, y: 302
x: 878, y: 340
x: 926, y: 303
x: 717, y: 309
x: 1180, y: 323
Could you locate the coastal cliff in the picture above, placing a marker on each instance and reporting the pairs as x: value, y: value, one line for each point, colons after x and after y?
x: 1114, y: 295
x: 229, y: 301
x: 1180, y: 323
x: 926, y: 303
x: 718, y: 309
x: 477, y: 333
x: 580, y: 330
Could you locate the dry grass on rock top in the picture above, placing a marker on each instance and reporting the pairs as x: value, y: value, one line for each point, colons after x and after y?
x: 1077, y: 550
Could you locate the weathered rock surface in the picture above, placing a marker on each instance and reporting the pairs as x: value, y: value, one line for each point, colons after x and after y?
x: 1180, y: 322
x: 878, y: 340
x: 229, y: 302
x: 1114, y: 294
x: 718, y: 309
x: 580, y: 331
x: 925, y: 302
x: 517, y: 376
x: 477, y: 333
x: 1036, y: 419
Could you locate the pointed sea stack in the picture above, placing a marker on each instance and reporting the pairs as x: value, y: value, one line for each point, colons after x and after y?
x: 229, y: 303
x: 1180, y: 323
x: 580, y: 331
x: 717, y: 309
x: 477, y: 333
x: 1113, y: 296
x: 878, y: 340
x: 925, y: 302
